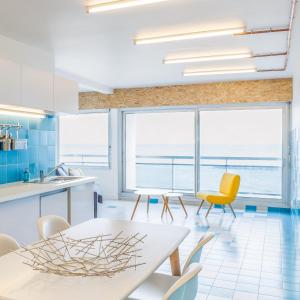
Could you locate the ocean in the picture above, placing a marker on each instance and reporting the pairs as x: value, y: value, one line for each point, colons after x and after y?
x: 173, y: 166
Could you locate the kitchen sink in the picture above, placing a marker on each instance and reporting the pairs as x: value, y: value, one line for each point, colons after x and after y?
x: 56, y: 179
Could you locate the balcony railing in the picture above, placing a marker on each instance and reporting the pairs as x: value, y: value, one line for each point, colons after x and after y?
x: 260, y: 175
x: 81, y: 159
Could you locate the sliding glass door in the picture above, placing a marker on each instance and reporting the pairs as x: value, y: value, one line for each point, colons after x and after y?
x: 160, y: 149
x: 189, y: 150
x: 246, y: 142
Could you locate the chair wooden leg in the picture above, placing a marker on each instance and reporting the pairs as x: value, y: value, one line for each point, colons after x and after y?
x: 136, y: 205
x: 210, y: 207
x: 148, y: 202
x: 223, y: 207
x: 181, y: 202
x: 200, y: 207
x: 232, y: 210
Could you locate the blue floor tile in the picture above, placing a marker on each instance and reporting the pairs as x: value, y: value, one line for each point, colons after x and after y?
x: 255, y: 256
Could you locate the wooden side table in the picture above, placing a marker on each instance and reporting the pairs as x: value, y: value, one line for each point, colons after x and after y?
x: 149, y: 193
x: 174, y: 195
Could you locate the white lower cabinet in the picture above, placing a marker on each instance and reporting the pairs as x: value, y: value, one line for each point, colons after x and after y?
x: 55, y: 203
x: 18, y: 219
x: 82, y: 203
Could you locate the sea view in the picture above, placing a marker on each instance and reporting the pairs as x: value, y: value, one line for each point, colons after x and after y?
x: 173, y: 166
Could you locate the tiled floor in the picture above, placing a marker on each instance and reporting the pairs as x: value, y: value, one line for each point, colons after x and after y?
x: 255, y: 256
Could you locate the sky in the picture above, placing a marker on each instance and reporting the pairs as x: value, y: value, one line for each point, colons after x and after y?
x: 84, y: 129
x: 229, y: 127
x: 256, y: 130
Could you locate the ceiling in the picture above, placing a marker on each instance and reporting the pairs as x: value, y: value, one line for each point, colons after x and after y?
x: 99, y: 47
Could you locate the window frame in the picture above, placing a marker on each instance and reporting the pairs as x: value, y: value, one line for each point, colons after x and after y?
x: 285, y: 107
x: 125, y: 112
x: 109, y: 146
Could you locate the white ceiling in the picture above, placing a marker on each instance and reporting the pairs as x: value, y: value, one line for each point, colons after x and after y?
x: 99, y: 47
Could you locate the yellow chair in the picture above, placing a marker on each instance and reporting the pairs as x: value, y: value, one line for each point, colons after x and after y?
x: 229, y: 188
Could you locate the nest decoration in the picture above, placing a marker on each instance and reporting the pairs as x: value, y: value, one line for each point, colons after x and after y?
x: 103, y: 255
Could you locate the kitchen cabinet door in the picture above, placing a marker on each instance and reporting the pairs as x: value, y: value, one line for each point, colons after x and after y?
x: 55, y: 203
x: 37, y: 89
x: 66, y: 95
x: 10, y: 83
x: 82, y: 203
x: 18, y: 218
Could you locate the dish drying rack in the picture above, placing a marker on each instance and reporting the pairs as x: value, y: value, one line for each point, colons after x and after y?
x: 8, y: 142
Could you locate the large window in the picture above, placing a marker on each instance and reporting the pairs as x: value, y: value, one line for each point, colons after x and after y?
x: 190, y: 150
x: 160, y: 149
x: 84, y: 139
x: 246, y: 142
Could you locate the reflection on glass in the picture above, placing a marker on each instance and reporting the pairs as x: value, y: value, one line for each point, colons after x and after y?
x: 83, y: 139
x: 246, y: 142
x: 160, y: 150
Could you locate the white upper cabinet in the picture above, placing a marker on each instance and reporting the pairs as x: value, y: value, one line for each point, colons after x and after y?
x: 66, y: 95
x: 37, y: 89
x: 10, y: 83
x: 23, y: 85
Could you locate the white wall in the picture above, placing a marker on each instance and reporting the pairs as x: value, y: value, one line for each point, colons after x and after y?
x: 24, y: 54
x: 294, y: 65
x: 108, y: 179
x: 295, y: 134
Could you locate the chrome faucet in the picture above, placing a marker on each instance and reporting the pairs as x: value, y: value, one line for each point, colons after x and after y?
x: 43, y: 177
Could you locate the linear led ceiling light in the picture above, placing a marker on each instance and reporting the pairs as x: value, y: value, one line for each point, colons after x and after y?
x: 216, y: 57
x: 218, y: 72
x: 182, y: 60
x: 188, y: 36
x: 22, y: 112
x: 107, y: 5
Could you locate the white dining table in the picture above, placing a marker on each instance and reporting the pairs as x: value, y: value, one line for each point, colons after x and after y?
x: 19, y: 282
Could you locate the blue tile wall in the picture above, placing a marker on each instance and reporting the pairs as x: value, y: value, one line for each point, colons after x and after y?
x: 41, y: 152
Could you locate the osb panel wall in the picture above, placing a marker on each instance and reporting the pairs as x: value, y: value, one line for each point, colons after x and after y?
x: 273, y: 90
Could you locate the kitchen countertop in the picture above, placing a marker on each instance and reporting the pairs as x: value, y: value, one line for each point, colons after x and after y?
x: 19, y: 190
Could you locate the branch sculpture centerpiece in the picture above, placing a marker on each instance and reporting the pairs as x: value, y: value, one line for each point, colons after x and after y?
x: 102, y: 255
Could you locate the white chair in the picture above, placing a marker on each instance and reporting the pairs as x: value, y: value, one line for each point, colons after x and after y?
x: 7, y: 244
x: 195, y: 255
x: 158, y: 281
x: 179, y: 288
x: 50, y: 225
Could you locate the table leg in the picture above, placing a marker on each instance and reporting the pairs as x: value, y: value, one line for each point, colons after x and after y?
x: 135, y: 207
x: 168, y: 208
x: 175, y: 263
x: 181, y: 202
x: 166, y: 205
x: 163, y: 210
